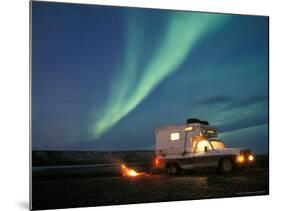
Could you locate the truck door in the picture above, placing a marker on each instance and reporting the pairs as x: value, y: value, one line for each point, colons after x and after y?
x: 203, y: 156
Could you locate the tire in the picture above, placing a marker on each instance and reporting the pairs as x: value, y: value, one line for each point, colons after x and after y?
x: 172, y: 169
x: 226, y: 166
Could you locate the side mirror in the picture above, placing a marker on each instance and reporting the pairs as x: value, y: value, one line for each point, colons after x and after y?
x: 205, y: 149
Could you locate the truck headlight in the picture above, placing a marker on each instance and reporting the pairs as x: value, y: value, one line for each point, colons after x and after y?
x: 251, y: 158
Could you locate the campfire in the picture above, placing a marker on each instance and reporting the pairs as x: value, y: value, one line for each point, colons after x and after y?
x: 129, y: 172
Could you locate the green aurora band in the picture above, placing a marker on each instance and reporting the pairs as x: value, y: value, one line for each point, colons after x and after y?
x: 134, y: 83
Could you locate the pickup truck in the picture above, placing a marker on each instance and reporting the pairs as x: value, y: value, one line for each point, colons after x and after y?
x: 196, y: 145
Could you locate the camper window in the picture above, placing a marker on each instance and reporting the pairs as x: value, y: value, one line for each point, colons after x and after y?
x: 175, y: 136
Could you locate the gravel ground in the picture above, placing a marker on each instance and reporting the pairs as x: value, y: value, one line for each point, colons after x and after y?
x: 99, y: 191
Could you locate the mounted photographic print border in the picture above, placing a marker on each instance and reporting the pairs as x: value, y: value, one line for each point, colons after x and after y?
x: 136, y: 105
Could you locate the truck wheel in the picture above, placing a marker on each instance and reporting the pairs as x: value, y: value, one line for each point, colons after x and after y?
x: 172, y: 169
x: 226, y: 166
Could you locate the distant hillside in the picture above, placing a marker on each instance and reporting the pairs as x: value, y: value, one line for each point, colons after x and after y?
x: 54, y: 158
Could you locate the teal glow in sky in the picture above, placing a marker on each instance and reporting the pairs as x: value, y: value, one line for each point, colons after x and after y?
x: 133, y: 83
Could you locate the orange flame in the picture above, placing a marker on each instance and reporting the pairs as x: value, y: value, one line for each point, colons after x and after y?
x: 129, y: 171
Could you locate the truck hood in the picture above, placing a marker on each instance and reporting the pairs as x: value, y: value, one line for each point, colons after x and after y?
x: 232, y: 151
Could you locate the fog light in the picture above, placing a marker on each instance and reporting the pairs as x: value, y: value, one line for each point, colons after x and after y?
x: 240, y: 158
x: 251, y: 158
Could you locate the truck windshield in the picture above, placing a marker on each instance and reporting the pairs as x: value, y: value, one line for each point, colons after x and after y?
x: 217, y: 144
x: 202, y: 144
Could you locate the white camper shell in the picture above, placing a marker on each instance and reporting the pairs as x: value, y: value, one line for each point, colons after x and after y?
x: 182, y: 147
x: 174, y: 140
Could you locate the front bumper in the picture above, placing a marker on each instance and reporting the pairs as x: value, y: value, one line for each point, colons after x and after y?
x: 245, y: 159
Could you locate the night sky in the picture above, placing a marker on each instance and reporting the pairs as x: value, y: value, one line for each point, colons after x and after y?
x: 103, y: 78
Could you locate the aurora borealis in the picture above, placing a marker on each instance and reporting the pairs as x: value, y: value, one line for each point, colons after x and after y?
x: 182, y: 32
x: 105, y: 77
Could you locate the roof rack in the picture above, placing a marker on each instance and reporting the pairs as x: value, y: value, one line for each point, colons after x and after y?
x: 194, y: 120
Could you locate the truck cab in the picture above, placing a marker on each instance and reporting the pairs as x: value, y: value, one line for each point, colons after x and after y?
x: 196, y: 145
